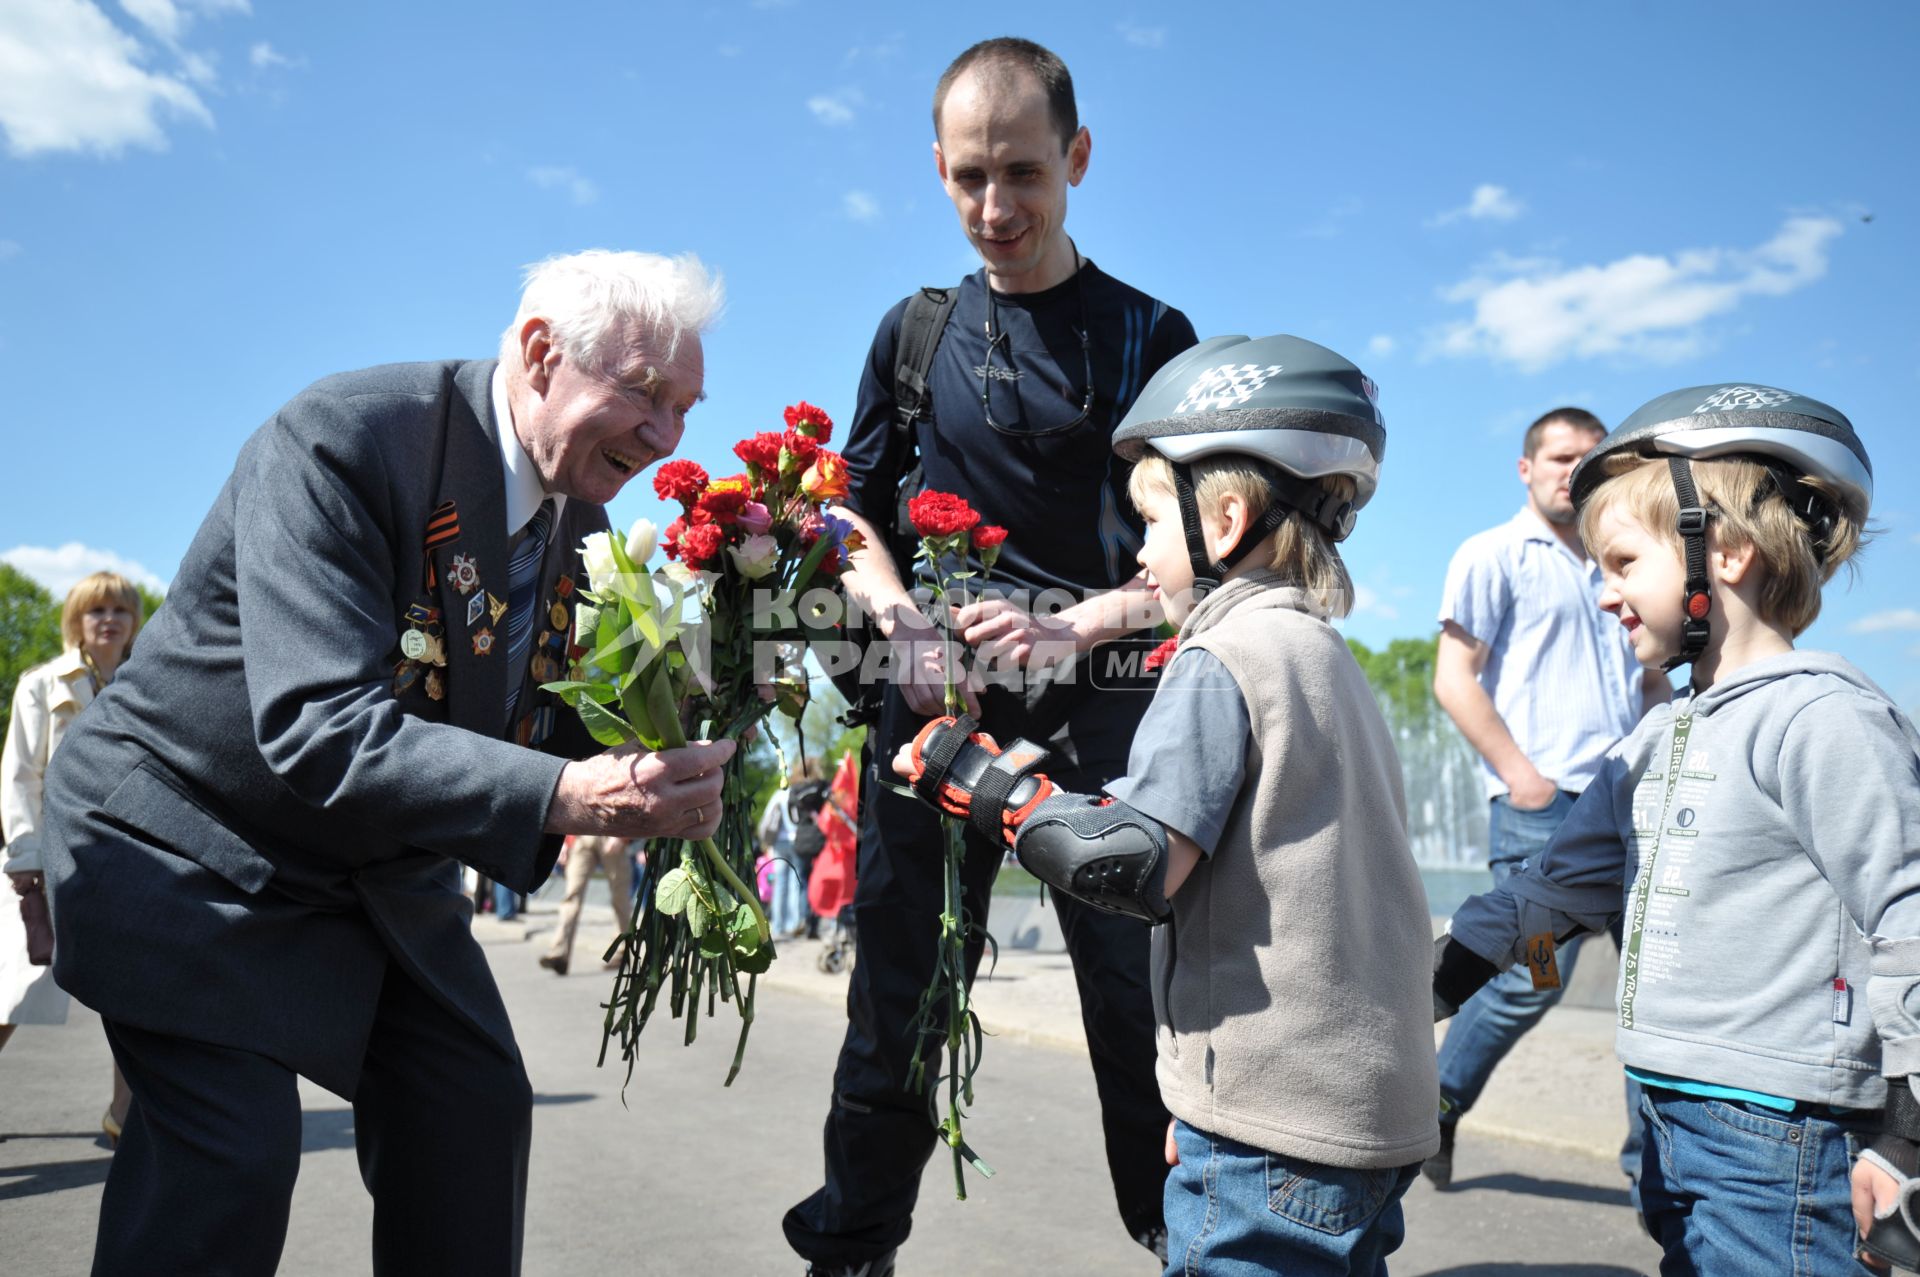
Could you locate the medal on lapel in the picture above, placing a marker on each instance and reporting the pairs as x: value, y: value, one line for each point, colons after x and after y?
x: 495, y: 609
x: 475, y: 606
x: 483, y: 642
x: 464, y: 575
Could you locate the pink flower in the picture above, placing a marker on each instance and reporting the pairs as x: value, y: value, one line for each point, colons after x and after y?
x: 755, y: 518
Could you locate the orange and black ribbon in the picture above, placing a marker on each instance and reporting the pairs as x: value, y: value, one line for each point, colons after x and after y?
x: 443, y: 528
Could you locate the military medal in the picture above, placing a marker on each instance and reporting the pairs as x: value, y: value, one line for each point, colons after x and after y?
x: 475, y: 606
x: 464, y: 575
x: 436, y: 685
x: 558, y: 615
x: 483, y: 643
x: 413, y: 645
x: 404, y: 675
x: 436, y: 648
x: 495, y: 609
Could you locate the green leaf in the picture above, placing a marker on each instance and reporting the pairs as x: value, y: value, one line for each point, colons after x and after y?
x: 675, y: 889
x: 603, y: 724
x: 698, y: 916
x: 808, y: 564
x: 607, y: 651
x: 661, y: 709
x: 714, y: 943
x: 573, y: 691
x: 755, y: 962
x: 634, y: 701
x: 743, y: 929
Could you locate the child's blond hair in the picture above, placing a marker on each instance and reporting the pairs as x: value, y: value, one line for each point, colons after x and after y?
x: 1301, y: 549
x: 1744, y: 507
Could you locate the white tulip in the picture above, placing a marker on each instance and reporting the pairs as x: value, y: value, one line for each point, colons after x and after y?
x: 596, y: 553
x: 641, y: 541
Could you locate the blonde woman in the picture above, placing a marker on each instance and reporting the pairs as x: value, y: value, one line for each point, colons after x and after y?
x: 97, y: 624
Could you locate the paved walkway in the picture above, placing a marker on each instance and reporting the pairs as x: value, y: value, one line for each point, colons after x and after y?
x: 683, y: 1176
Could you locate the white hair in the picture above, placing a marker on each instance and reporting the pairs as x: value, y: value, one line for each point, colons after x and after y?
x: 593, y: 300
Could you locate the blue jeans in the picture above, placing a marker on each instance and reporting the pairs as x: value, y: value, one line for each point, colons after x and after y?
x: 506, y: 902
x: 1501, y: 1013
x: 1238, y: 1211
x: 789, y: 911
x: 1731, y: 1189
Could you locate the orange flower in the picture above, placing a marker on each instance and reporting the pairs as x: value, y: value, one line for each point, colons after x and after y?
x: 826, y: 478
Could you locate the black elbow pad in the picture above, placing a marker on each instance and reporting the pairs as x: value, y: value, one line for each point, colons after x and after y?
x: 1100, y: 851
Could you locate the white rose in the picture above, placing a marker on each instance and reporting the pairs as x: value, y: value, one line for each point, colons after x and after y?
x: 641, y: 541
x: 596, y: 552
x: 755, y: 556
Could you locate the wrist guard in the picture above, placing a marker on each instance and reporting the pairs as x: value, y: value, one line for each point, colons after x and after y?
x: 1458, y: 974
x: 964, y: 773
x: 1894, y: 1237
x: 1095, y: 849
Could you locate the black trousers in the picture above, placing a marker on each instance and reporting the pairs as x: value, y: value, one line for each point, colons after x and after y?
x: 203, y: 1178
x: 879, y: 1134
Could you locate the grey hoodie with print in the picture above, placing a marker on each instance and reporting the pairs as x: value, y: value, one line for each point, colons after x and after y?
x: 1770, y: 830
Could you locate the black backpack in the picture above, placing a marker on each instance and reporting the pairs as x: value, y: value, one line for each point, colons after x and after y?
x: 804, y: 802
x: 920, y: 331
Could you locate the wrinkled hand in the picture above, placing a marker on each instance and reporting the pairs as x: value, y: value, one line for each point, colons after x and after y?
x: 920, y: 655
x: 630, y: 792
x: 1007, y: 635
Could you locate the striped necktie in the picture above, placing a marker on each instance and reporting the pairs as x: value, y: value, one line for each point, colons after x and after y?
x: 523, y: 583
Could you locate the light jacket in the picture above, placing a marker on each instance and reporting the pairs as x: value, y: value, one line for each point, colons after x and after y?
x: 45, y: 702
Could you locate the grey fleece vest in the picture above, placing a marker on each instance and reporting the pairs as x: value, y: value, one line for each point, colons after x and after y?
x: 1293, y: 985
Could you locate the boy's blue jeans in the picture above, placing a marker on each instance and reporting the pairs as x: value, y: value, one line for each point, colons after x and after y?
x: 1731, y: 1189
x: 1238, y: 1211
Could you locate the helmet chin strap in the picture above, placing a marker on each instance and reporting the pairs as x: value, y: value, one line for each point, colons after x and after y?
x: 1284, y: 493
x: 1697, y: 598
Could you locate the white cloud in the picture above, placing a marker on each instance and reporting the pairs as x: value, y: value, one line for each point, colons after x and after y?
x: 1535, y: 313
x: 58, y: 568
x: 1489, y: 203
x: 1143, y: 37
x: 1380, y: 346
x: 1367, y: 602
x: 563, y: 178
x: 1904, y: 618
x: 882, y: 50
x: 836, y: 108
x: 860, y: 206
x: 71, y: 81
x: 264, y: 56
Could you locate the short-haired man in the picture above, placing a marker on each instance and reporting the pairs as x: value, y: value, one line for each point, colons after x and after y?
x: 254, y: 836
x: 1037, y: 364
x: 1541, y: 682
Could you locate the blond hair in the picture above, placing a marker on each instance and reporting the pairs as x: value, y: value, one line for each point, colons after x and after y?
x: 1301, y: 549
x: 1744, y: 508
x: 90, y: 592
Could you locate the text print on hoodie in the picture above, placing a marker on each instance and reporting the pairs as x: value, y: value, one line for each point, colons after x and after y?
x: 1769, y: 829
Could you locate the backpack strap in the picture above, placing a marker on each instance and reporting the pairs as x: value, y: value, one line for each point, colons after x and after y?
x: 920, y: 329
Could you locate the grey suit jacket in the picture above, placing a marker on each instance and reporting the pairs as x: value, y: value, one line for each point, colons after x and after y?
x: 257, y: 815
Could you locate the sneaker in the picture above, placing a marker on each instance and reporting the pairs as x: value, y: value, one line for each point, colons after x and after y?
x: 881, y: 1267
x: 1439, y: 1168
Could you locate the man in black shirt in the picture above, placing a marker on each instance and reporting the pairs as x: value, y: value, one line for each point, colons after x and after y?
x: 1038, y: 362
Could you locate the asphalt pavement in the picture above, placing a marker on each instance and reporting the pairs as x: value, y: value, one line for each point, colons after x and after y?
x: 680, y: 1175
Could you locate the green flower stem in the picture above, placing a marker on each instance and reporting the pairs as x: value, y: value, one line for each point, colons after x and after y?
x: 749, y: 898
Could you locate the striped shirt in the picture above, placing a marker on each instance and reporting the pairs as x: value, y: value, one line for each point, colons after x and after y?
x: 1560, y: 671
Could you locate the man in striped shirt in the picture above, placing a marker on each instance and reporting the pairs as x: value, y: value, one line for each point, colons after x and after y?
x: 1541, y: 682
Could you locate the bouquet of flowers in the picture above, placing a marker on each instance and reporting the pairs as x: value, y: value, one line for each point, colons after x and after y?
x: 951, y: 536
x: 704, y: 648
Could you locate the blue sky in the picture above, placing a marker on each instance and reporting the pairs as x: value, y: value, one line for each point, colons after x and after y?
x: 1494, y: 209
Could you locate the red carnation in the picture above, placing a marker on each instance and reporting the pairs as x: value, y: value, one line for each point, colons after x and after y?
x: 670, y: 539
x: 810, y: 421
x: 680, y: 481
x: 761, y: 452
x: 797, y: 451
x: 941, y: 514
x: 988, y: 537
x: 1160, y: 655
x: 700, y: 544
x: 722, y: 501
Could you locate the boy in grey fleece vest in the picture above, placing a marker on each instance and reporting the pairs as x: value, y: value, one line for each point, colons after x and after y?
x: 1760, y: 838
x: 1261, y: 821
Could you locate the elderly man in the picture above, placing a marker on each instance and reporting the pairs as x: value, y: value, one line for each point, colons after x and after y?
x: 1033, y: 367
x: 255, y: 835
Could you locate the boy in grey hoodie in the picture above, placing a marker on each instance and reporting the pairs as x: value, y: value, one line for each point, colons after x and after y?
x: 1761, y: 838
x: 1261, y: 821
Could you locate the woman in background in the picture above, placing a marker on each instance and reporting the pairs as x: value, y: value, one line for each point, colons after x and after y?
x: 97, y: 624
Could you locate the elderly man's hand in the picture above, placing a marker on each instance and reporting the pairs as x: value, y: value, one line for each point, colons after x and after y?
x: 633, y: 793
